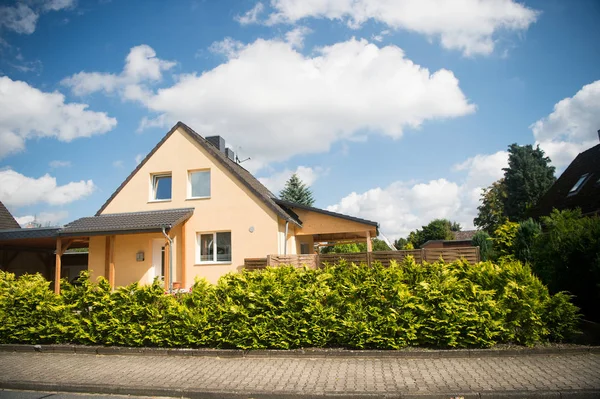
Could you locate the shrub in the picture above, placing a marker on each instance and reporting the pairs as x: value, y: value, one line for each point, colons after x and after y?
x: 440, y: 304
x: 525, y: 238
x: 483, y: 240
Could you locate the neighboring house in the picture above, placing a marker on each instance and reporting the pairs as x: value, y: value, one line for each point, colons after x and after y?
x: 461, y: 239
x: 577, y: 187
x: 189, y: 200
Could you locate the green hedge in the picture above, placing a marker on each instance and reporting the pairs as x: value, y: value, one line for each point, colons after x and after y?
x: 454, y: 305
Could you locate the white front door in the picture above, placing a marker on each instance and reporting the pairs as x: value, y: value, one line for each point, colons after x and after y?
x: 158, y: 258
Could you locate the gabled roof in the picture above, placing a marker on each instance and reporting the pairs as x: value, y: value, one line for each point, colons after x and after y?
x: 466, y: 235
x: 7, y: 221
x: 288, y: 205
x: 245, y: 177
x: 587, y: 197
x: 131, y: 222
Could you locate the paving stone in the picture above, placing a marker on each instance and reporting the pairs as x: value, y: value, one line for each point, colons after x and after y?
x: 539, y: 376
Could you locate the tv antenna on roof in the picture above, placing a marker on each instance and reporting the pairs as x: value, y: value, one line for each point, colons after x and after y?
x: 237, y: 159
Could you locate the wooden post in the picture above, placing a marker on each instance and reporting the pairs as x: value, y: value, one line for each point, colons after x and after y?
x: 369, y: 248
x: 167, y: 276
x: 107, y: 257
x: 57, y: 269
x: 182, y: 262
x: 111, y: 261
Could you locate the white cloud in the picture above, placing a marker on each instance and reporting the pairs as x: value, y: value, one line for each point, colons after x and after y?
x: 405, y: 206
x: 141, y: 66
x: 276, y: 181
x: 470, y: 26
x: 251, y: 16
x: 29, y: 113
x: 60, y: 164
x: 22, y: 18
x: 571, y: 127
x: 275, y: 103
x: 228, y: 47
x: 117, y: 164
x: 43, y: 218
x: 295, y: 37
x: 17, y: 190
x: 139, y: 158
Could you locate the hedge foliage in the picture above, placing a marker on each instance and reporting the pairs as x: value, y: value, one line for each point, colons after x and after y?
x: 448, y: 305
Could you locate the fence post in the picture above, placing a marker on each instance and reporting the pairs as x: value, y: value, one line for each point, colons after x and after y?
x: 423, y: 255
x: 268, y: 260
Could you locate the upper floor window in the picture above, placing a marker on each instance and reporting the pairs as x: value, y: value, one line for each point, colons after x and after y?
x: 577, y: 186
x: 161, y: 187
x: 199, y: 184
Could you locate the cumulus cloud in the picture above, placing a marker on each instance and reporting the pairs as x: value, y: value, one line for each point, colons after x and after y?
x: 29, y: 113
x: 141, y: 66
x: 276, y: 181
x: 43, y: 218
x: 404, y: 206
x: 470, y: 26
x: 17, y: 190
x: 22, y: 17
x: 275, y: 102
x: 251, y: 16
x: 571, y: 127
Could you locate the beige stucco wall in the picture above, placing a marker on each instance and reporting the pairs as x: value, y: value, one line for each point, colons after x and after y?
x: 231, y: 207
x: 319, y: 223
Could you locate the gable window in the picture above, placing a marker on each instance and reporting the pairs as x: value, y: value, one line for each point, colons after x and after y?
x: 214, y: 247
x: 577, y: 186
x: 199, y: 184
x: 161, y: 187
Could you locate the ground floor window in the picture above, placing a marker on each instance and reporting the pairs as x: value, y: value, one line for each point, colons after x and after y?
x: 214, y: 247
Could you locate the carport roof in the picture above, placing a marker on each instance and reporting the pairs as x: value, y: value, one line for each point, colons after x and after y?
x: 124, y: 223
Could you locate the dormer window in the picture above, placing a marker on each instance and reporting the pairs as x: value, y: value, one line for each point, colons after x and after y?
x: 161, y: 187
x: 577, y: 186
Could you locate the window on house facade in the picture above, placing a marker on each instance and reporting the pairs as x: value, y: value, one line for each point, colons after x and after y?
x: 161, y: 187
x: 304, y: 249
x: 577, y: 186
x: 214, y: 247
x: 199, y: 184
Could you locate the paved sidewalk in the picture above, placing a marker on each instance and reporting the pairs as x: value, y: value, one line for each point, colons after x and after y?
x: 557, y: 375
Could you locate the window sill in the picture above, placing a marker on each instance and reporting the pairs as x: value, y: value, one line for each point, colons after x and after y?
x: 161, y: 200
x: 213, y: 263
x: 196, y: 198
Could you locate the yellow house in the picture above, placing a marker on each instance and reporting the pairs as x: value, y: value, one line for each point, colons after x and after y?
x: 190, y: 202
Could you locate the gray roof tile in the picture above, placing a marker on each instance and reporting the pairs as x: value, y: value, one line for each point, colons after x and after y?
x: 133, y: 222
x: 7, y: 221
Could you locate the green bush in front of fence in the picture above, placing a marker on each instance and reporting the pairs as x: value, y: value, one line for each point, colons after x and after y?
x: 447, y: 305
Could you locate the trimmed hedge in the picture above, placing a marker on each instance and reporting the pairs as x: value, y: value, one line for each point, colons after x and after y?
x: 444, y: 305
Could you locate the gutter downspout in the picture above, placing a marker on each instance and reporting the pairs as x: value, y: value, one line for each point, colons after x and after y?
x: 285, y: 239
x: 170, y: 257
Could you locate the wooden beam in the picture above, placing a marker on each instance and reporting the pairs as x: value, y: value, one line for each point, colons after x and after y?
x: 369, y: 243
x: 111, y: 261
x: 107, y: 257
x: 167, y: 276
x: 57, y: 269
x: 182, y: 262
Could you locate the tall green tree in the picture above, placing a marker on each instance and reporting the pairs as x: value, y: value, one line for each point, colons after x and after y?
x: 438, y: 229
x: 528, y: 176
x: 490, y: 214
x: 296, y: 191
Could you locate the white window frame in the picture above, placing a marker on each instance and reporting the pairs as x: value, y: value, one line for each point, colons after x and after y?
x: 152, y: 194
x: 199, y: 248
x: 579, y: 184
x: 189, y: 183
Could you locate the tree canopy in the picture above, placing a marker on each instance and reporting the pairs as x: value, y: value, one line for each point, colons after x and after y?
x: 438, y: 229
x: 528, y: 176
x: 491, y: 211
x: 296, y: 191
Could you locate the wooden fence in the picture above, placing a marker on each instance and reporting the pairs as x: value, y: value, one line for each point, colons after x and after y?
x: 314, y: 261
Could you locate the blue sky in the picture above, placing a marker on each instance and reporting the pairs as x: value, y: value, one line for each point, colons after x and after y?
x: 398, y: 113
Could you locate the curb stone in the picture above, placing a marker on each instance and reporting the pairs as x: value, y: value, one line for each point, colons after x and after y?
x: 297, y: 353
